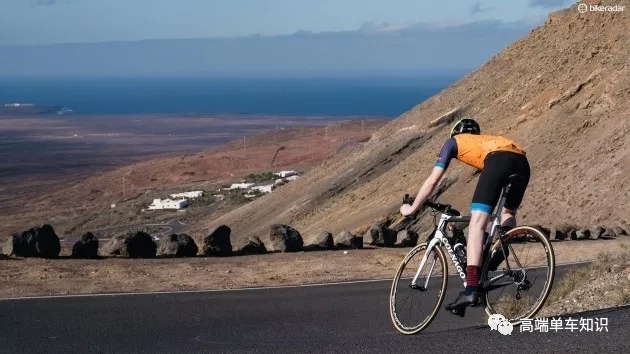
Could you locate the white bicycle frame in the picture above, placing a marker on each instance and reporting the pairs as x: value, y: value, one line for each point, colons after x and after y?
x: 439, y: 237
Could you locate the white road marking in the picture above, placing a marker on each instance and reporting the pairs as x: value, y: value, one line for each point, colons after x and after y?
x: 224, y: 290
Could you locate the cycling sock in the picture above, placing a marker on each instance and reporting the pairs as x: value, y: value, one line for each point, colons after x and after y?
x: 472, y: 279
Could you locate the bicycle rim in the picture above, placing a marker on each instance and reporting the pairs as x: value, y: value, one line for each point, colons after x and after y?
x: 401, y: 299
x: 539, y: 275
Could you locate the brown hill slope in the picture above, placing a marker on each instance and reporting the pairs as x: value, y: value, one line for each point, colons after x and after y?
x: 80, y: 204
x: 561, y: 92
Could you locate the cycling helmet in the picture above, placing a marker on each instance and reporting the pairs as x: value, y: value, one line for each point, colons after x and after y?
x: 466, y: 126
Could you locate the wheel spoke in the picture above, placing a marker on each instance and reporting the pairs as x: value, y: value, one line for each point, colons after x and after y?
x: 526, y: 295
x: 413, y: 306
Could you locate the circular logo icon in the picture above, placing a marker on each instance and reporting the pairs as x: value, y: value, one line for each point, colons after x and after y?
x: 582, y: 8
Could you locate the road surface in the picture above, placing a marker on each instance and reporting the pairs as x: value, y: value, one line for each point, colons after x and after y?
x: 340, y: 318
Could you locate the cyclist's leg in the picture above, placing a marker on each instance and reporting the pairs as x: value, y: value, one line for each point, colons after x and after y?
x: 479, y: 216
x: 517, y: 165
x: 486, y: 196
x: 520, y: 166
x: 508, y: 218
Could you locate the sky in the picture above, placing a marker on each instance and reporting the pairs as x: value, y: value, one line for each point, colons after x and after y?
x: 35, y: 22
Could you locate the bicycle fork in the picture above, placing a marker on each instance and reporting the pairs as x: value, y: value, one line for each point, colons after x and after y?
x: 413, y: 284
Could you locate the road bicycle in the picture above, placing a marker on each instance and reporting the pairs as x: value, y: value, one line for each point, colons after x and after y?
x: 504, y: 254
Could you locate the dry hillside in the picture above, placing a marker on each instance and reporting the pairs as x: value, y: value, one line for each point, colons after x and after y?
x: 77, y: 205
x: 561, y: 92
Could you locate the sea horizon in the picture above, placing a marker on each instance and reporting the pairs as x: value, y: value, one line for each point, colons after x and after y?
x: 332, y: 96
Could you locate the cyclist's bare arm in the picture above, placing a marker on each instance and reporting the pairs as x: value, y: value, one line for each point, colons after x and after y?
x: 425, y: 191
x: 447, y: 153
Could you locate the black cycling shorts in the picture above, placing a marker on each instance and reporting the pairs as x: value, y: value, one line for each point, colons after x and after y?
x: 498, y: 166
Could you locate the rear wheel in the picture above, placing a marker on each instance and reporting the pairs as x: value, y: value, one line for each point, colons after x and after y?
x: 413, y: 306
x: 518, y: 288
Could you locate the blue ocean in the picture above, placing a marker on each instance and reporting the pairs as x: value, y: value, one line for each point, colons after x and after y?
x: 339, y: 96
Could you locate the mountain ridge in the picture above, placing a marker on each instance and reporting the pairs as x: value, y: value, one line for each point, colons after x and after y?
x: 560, y: 92
x: 409, y: 49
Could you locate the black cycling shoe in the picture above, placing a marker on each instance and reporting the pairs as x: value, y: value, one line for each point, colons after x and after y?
x: 459, y: 312
x: 463, y: 300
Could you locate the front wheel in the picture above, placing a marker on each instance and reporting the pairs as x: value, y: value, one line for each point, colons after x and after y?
x: 518, y: 288
x: 407, y: 298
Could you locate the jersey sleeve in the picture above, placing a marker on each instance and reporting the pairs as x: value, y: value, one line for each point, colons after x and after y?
x: 447, y: 153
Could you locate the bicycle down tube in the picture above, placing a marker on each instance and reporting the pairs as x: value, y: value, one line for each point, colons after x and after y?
x: 439, y: 238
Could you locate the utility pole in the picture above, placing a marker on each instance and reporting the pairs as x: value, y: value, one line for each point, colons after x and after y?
x: 243, y: 147
x: 326, y: 133
x: 362, y: 126
x: 111, y: 214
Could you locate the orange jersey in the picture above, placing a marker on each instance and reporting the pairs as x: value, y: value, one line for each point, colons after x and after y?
x: 472, y: 149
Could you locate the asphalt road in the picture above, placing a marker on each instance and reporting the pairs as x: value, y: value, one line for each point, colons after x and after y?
x: 341, y: 318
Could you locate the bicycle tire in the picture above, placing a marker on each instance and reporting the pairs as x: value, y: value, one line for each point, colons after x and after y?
x: 551, y: 264
x: 442, y: 291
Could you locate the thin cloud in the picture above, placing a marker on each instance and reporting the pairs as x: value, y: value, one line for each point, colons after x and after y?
x: 51, y: 2
x: 547, y: 4
x: 478, y: 8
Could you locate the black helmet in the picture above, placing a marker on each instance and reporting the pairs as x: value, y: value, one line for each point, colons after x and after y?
x: 465, y: 126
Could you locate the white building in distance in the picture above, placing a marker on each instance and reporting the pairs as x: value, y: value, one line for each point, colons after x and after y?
x: 264, y: 189
x: 160, y: 204
x: 291, y: 178
x: 192, y: 195
x: 285, y: 174
x: 241, y: 185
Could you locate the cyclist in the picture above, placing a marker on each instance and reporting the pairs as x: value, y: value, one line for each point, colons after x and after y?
x: 497, y: 158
